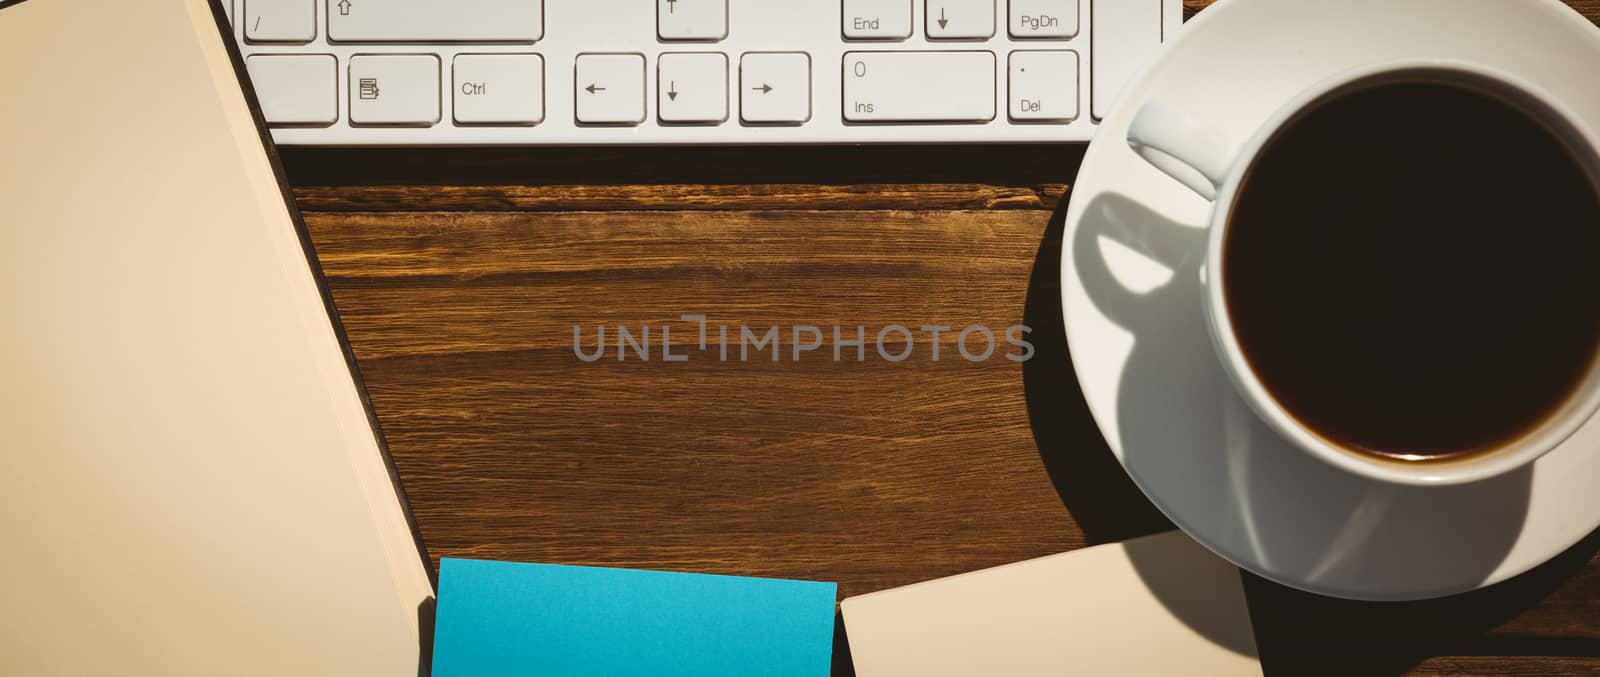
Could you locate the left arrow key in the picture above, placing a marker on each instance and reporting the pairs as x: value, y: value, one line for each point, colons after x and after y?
x: 610, y: 89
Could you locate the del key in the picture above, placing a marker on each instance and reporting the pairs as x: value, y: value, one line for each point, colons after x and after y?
x: 919, y: 86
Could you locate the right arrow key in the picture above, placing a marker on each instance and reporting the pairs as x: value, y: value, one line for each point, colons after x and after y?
x: 959, y: 19
x: 775, y: 88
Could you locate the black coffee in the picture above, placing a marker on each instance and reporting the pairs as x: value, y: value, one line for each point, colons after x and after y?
x: 1413, y: 270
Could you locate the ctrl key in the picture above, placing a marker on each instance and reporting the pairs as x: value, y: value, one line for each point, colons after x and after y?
x: 296, y: 89
x: 499, y: 89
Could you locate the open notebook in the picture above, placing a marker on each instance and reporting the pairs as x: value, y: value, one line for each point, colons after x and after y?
x: 190, y: 481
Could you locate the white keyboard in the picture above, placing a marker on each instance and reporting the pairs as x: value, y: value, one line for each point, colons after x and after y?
x: 704, y: 72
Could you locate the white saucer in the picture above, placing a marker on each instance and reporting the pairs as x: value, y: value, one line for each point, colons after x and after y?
x: 1131, y: 296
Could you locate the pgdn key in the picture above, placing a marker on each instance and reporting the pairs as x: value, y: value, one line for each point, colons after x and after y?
x: 919, y: 86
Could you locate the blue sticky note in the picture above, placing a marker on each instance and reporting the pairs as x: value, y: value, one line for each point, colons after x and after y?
x: 505, y: 618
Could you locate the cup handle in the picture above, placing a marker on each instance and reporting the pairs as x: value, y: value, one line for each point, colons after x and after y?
x: 1194, y: 154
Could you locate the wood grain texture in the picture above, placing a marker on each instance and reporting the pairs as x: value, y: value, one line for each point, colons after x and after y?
x: 460, y: 273
x: 464, y: 323
x: 579, y: 198
x: 1511, y: 666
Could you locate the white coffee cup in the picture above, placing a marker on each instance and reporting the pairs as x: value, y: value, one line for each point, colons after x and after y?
x: 1215, y: 168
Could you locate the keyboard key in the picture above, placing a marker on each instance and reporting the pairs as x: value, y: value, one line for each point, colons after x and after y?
x: 280, y: 20
x: 1127, y: 35
x: 692, y: 88
x: 1044, y: 86
x: 610, y: 89
x: 919, y: 86
x: 435, y: 21
x: 499, y: 89
x: 692, y: 19
x: 296, y: 89
x: 1044, y: 18
x: 775, y: 87
x: 877, y: 19
x: 394, y: 89
x: 502, y: 79
x: 960, y: 19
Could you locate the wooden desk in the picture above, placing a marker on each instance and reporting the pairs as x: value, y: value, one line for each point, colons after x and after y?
x: 461, y: 273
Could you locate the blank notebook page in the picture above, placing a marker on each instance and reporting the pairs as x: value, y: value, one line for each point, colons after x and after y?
x: 190, y: 483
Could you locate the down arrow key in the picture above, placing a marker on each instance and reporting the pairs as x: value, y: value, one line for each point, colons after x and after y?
x: 958, y: 20
x: 692, y: 88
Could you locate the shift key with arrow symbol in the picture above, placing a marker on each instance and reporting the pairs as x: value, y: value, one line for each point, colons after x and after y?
x: 420, y: 21
x: 960, y: 20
